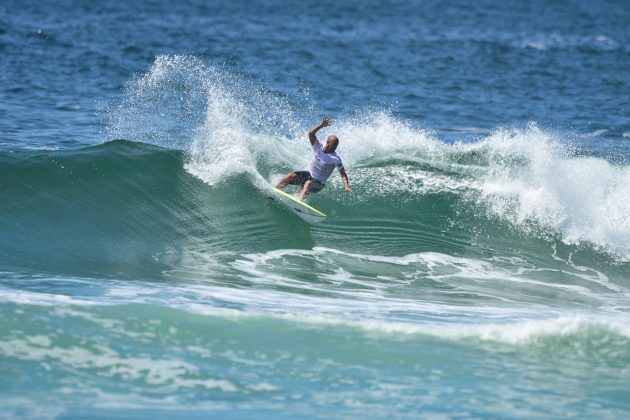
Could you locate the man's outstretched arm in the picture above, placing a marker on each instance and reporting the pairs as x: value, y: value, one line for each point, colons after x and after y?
x: 344, y: 178
x: 311, y: 133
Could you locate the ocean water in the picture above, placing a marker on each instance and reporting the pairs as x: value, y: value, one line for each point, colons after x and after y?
x: 480, y: 269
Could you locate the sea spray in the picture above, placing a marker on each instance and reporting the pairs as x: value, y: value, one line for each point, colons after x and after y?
x: 226, y: 123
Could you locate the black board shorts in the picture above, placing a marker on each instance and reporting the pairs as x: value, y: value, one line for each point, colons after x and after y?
x: 303, y: 176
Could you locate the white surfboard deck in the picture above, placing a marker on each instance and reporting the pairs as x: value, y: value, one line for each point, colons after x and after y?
x: 307, y: 213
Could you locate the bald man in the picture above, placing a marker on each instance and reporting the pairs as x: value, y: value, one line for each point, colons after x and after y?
x: 325, y: 160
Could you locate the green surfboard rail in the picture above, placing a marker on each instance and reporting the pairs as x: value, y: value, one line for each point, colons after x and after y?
x: 299, y: 201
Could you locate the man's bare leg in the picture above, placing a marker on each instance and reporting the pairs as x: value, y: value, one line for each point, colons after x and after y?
x: 305, y: 189
x: 289, y: 179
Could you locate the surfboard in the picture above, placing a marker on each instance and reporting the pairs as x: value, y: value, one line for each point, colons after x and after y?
x: 307, y: 213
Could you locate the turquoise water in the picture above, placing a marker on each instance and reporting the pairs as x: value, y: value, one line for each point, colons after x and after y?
x: 480, y: 269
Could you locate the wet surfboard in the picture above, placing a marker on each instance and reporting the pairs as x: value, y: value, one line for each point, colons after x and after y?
x: 306, y: 212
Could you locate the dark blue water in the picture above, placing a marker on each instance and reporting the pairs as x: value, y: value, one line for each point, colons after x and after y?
x: 457, y: 68
x: 481, y: 269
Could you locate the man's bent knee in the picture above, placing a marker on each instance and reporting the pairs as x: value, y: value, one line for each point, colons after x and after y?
x: 306, y: 189
x: 289, y: 179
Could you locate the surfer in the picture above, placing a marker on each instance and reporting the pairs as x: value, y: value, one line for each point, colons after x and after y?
x: 324, y: 161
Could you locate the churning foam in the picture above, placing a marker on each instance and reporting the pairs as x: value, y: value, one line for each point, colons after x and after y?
x: 531, y: 176
x: 230, y: 125
x: 307, y: 310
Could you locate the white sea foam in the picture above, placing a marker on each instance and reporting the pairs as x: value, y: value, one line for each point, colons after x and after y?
x: 42, y: 147
x: 562, y: 41
x: 504, y: 331
x: 510, y: 333
x: 598, y: 133
x: 485, y: 299
x: 153, y: 371
x: 532, y: 177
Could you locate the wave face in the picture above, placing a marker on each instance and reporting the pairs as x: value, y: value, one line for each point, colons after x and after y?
x: 505, y: 258
x: 514, y: 192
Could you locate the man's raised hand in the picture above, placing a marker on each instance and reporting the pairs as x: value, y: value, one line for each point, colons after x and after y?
x: 325, y: 122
